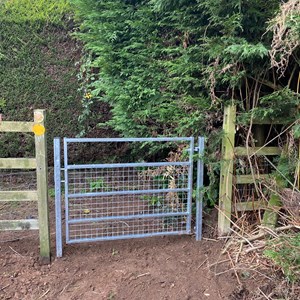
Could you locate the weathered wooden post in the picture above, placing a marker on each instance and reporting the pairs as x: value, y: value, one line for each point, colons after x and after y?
x: 42, y: 183
x: 226, y: 172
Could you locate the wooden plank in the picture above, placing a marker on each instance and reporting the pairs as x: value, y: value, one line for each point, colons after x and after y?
x: 42, y: 184
x: 17, y: 163
x: 242, y: 151
x: 245, y: 179
x: 226, y: 173
x: 31, y: 224
x: 8, y: 126
x: 249, y: 205
x: 18, y: 196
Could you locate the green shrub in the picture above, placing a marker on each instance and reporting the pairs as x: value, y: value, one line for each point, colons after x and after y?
x: 285, y: 253
x: 169, y: 67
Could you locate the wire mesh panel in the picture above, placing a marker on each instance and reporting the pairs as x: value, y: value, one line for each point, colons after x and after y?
x: 130, y: 199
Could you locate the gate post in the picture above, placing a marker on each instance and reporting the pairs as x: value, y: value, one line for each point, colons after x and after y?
x: 42, y: 183
x: 57, y: 184
x: 199, y: 195
x: 226, y: 172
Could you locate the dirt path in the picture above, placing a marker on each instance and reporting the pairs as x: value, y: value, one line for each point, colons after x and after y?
x: 153, y: 268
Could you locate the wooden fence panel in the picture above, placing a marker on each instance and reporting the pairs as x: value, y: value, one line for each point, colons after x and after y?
x: 41, y: 194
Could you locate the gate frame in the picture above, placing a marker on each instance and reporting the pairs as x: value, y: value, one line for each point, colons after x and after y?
x: 57, y: 180
x: 41, y: 194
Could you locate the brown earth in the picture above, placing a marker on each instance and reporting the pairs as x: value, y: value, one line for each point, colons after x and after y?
x: 154, y: 268
x: 175, y: 267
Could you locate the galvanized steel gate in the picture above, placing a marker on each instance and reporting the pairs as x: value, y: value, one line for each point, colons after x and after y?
x: 128, y: 200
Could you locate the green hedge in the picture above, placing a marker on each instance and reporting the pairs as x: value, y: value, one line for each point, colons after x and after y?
x: 38, y: 70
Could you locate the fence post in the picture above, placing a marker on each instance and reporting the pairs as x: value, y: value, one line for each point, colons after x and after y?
x: 42, y: 183
x: 226, y: 173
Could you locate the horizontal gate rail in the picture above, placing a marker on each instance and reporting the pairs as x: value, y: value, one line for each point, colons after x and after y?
x: 125, y: 165
x: 110, y: 140
x: 125, y: 237
x: 129, y: 217
x: 130, y: 192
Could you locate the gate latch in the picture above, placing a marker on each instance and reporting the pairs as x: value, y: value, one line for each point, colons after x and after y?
x: 196, y: 150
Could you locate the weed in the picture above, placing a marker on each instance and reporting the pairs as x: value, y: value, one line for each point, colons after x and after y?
x: 111, y: 295
x: 114, y: 252
x: 285, y: 253
x: 51, y: 191
x: 99, y: 184
x: 155, y: 201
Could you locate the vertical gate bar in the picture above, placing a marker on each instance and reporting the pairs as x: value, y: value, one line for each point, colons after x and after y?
x: 190, y: 188
x: 199, y: 194
x: 66, y: 188
x: 57, y: 186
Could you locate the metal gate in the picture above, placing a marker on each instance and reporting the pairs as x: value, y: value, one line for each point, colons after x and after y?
x: 110, y: 201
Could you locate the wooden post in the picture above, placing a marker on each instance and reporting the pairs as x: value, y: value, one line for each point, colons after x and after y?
x: 226, y: 173
x: 42, y: 184
x: 259, y: 134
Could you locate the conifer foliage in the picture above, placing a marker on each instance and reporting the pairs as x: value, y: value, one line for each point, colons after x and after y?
x: 167, y: 67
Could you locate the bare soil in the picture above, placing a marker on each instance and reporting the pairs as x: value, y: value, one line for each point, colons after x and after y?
x: 175, y: 267
x: 154, y: 268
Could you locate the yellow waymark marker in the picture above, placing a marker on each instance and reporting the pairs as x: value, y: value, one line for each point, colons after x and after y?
x: 38, y: 129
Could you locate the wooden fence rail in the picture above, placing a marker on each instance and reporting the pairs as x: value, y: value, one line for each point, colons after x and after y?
x: 41, y: 194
